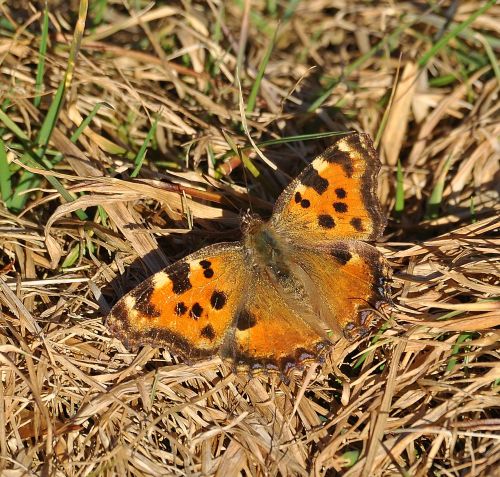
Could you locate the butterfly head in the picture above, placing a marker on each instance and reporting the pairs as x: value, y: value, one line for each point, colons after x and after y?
x: 251, y: 224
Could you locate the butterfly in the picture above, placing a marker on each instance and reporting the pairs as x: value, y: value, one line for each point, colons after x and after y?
x: 272, y: 301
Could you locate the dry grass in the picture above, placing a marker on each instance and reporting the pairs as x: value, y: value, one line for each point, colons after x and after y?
x: 422, y: 400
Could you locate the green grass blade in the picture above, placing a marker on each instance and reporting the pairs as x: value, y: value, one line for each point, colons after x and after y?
x: 241, y: 154
x: 491, y: 56
x: 454, y: 32
x: 299, y: 137
x: 98, y: 9
x: 457, y: 348
x: 399, y: 206
x: 247, y: 162
x: 71, y: 257
x: 261, y: 22
x: 468, y: 34
x: 139, y: 159
x: 444, y: 80
x: 286, y: 140
x: 5, y: 175
x: 351, y: 457
x: 272, y: 7
x: 290, y: 9
x: 434, y: 202
x: 50, y: 120
x: 374, y: 340
x: 12, y: 126
x: 40, y: 70
x: 103, y: 215
x: 74, y: 137
x: 26, y: 181
x: 30, y: 180
x: 252, y: 98
x: 37, y: 159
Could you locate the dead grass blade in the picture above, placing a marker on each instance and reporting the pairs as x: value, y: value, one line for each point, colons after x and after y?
x: 167, y: 84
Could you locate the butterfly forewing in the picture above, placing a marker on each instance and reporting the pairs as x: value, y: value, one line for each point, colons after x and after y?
x: 335, y: 196
x: 188, y: 307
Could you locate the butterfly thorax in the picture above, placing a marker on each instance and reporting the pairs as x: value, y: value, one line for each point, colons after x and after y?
x: 263, y: 247
x: 269, y: 255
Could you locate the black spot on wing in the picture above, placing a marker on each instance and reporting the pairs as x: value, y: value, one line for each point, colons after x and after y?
x: 179, y: 274
x: 357, y: 224
x: 304, y: 203
x: 196, y: 311
x: 326, y: 221
x: 340, y: 193
x: 208, y: 272
x: 342, y: 255
x: 142, y: 295
x: 334, y: 155
x: 340, y: 207
x: 312, y: 179
x: 218, y: 300
x: 180, y: 309
x: 208, y: 332
x: 245, y: 320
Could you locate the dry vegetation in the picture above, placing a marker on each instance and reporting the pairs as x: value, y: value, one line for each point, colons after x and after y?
x: 420, y: 397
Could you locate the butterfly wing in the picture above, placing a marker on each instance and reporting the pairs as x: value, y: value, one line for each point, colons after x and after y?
x: 273, y: 331
x: 188, y: 307
x: 210, y: 302
x: 351, y: 282
x: 334, y: 197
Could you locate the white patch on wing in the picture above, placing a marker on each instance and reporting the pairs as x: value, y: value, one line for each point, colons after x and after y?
x: 161, y: 279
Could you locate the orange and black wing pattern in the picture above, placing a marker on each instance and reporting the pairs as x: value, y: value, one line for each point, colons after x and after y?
x: 351, y: 280
x: 188, y: 307
x: 335, y: 196
x: 273, y: 332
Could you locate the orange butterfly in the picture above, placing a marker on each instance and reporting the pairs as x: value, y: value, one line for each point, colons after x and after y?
x: 270, y: 301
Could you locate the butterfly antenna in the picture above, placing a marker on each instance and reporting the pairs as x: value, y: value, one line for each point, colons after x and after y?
x: 245, y: 178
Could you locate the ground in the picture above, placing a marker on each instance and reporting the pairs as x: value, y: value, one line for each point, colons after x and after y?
x: 133, y: 133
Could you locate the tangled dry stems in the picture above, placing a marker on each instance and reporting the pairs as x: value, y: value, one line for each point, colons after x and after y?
x: 419, y: 397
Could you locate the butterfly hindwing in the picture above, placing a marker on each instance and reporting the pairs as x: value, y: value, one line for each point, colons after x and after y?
x: 207, y: 303
x: 187, y: 307
x: 351, y: 281
x: 273, y: 332
x: 335, y: 196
